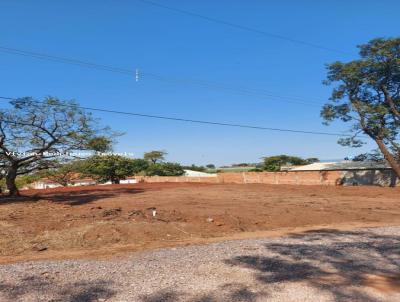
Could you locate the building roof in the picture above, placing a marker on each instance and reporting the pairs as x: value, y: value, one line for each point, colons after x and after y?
x: 192, y: 173
x: 342, y: 165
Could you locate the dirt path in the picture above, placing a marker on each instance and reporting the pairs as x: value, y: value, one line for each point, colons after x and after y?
x: 321, y: 265
x: 105, y: 220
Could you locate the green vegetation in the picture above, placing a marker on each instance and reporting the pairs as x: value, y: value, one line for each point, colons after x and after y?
x: 234, y: 169
x: 256, y: 170
x: 165, y: 169
x: 155, y: 156
x: 193, y: 167
x: 157, y: 166
x: 366, y: 95
x: 20, y: 181
x: 275, y: 163
x: 374, y: 155
x: 63, y: 174
x: 111, y: 167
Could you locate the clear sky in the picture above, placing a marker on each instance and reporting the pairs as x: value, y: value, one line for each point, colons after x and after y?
x: 131, y: 34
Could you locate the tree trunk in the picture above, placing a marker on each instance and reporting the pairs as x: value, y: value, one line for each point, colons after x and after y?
x: 389, y: 157
x: 10, y: 181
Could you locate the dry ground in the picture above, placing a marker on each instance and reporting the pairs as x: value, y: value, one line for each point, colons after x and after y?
x: 108, y: 220
x: 325, y: 265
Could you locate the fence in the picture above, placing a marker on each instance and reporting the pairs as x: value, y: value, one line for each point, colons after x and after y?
x: 381, y: 177
x: 288, y: 178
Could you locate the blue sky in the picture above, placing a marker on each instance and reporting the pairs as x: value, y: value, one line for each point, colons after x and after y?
x: 131, y: 34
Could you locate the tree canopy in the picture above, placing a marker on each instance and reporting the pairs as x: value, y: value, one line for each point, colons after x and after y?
x: 165, y: 169
x: 155, y: 156
x: 112, y: 168
x: 274, y: 163
x: 366, y: 95
x: 193, y: 167
x: 64, y: 173
x: 38, y: 135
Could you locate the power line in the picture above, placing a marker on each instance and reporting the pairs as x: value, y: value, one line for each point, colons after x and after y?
x: 242, y: 27
x: 185, y: 81
x: 190, y: 120
x: 65, y: 60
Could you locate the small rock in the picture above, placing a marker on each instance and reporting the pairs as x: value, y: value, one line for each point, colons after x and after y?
x: 112, y: 212
x: 209, y: 219
x: 39, y: 247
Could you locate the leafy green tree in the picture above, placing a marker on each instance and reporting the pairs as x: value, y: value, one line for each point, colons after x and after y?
x: 312, y: 160
x: 155, y: 156
x: 193, y: 167
x: 165, y: 169
x: 139, y: 165
x: 100, y: 144
x: 274, y: 163
x: 366, y: 94
x: 64, y: 173
x: 210, y: 166
x: 112, y: 168
x: 34, y: 134
x: 375, y: 155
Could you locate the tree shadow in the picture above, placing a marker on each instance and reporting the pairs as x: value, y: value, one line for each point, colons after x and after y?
x: 72, y: 197
x: 341, y: 263
x: 84, y: 197
x: 370, y: 177
x: 230, y: 292
x: 347, y: 266
x: 34, y: 288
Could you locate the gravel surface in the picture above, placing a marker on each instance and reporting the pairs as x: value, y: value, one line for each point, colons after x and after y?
x: 325, y: 265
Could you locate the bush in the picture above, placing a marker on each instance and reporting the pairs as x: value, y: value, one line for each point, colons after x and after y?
x: 195, y: 168
x: 111, y: 167
x: 165, y: 169
x: 256, y: 170
x: 274, y: 163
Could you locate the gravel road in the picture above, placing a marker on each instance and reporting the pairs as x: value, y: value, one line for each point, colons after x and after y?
x: 325, y: 265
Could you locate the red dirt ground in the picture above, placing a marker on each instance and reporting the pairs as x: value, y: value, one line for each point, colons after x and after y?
x: 107, y: 220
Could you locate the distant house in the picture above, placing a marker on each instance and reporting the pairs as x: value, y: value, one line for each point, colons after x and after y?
x: 128, y: 180
x: 43, y: 183
x: 46, y: 183
x: 355, y: 172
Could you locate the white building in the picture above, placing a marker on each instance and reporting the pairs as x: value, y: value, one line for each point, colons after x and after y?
x: 191, y: 173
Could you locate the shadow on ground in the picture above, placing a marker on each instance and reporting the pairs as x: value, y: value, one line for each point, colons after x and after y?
x: 340, y: 263
x: 83, y: 196
x: 33, y: 288
x: 344, y: 265
x: 232, y: 292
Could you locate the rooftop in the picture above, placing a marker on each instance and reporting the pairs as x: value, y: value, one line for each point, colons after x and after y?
x: 342, y: 165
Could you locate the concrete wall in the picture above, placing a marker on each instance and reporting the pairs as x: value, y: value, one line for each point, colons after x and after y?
x: 370, y: 177
x: 356, y: 177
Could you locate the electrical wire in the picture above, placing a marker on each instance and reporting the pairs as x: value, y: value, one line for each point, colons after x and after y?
x: 242, y: 27
x: 185, y: 81
x: 190, y: 120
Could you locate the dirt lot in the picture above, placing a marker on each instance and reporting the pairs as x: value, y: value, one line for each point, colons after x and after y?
x: 109, y: 220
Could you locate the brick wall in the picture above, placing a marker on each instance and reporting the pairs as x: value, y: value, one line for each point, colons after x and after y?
x: 292, y: 178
